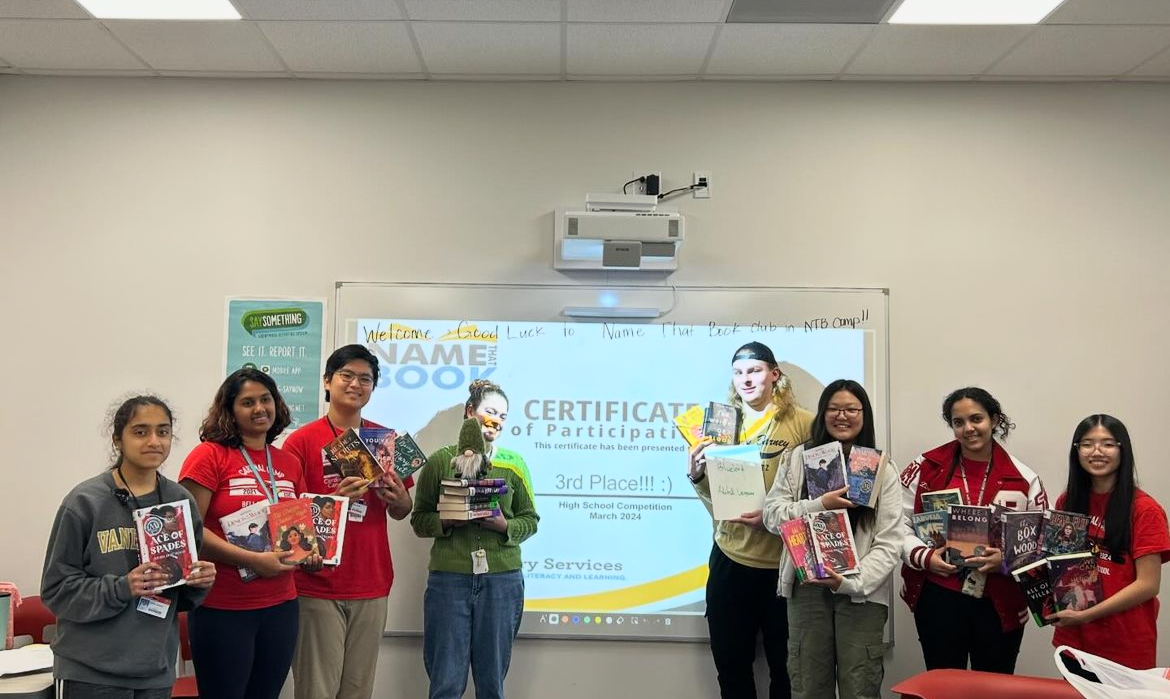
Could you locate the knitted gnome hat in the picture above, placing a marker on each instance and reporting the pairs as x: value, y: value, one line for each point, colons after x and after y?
x: 471, y: 466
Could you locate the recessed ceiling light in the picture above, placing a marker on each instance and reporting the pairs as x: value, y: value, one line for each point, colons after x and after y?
x: 973, y: 11
x: 161, y: 9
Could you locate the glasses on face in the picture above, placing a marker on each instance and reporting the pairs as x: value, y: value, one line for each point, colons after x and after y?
x: 847, y: 412
x: 346, y: 376
x: 1105, y: 445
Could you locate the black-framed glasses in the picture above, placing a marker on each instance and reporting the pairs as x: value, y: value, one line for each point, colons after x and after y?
x: 346, y: 376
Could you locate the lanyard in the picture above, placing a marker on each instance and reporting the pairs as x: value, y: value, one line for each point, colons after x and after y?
x: 967, y: 486
x: 337, y: 432
x: 272, y: 495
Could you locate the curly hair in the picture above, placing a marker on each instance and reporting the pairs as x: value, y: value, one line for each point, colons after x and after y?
x: 480, y: 389
x: 1003, y: 424
x: 220, y: 424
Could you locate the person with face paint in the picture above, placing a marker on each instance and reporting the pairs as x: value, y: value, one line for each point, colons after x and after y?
x: 343, y: 608
x: 115, y: 636
x: 1128, y: 533
x: 967, y: 615
x: 745, y: 558
x: 475, y: 589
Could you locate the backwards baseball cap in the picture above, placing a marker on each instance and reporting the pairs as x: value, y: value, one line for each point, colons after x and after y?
x: 755, y: 350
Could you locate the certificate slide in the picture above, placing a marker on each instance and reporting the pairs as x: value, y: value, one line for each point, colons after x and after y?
x: 623, y: 542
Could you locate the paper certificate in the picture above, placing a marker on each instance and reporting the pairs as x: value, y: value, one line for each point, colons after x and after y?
x: 737, y: 482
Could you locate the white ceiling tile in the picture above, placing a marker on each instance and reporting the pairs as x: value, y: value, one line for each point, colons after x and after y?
x: 1082, y: 50
x: 469, y: 77
x: 70, y: 43
x: 343, y: 47
x: 205, y: 46
x: 140, y: 73
x: 906, y: 49
x: 646, y: 10
x: 770, y: 78
x: 1157, y: 66
x: 1111, y: 12
x: 485, y: 10
x: 638, y: 49
x: 334, y: 10
x: 42, y: 9
x: 220, y: 74
x: 455, y: 47
x: 785, y: 49
x: 309, y: 75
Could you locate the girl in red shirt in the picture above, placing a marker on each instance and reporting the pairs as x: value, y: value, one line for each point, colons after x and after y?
x: 1129, y: 535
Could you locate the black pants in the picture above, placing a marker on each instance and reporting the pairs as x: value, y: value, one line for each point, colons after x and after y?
x: 954, y: 628
x: 243, y: 654
x: 742, y: 602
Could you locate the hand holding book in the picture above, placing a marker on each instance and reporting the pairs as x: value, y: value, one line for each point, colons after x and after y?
x: 697, y: 460
x: 352, y: 487
x: 145, y: 578
x: 991, y: 560
x: 271, y: 563
x: 835, y: 499
x: 202, y: 575
x: 833, y: 582
x: 496, y: 524
x: 938, y: 563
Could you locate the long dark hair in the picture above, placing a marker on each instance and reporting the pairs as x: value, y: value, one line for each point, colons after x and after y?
x: 820, y: 435
x: 220, y: 424
x: 125, y: 412
x: 1120, y: 508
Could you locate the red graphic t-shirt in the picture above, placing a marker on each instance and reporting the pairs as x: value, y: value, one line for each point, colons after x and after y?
x: 223, y: 471
x: 1129, y: 637
x: 366, y: 570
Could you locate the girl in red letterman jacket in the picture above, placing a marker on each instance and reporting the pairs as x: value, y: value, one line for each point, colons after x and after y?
x: 971, y: 615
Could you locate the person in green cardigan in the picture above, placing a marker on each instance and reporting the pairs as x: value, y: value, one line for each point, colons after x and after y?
x: 475, y: 589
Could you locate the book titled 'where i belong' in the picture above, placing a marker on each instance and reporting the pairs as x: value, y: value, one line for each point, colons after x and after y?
x: 968, y: 533
x: 166, y: 536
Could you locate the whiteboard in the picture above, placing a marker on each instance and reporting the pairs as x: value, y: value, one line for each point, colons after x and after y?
x: 740, y: 312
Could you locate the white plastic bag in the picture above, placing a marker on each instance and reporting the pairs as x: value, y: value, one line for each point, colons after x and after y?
x: 1117, y: 681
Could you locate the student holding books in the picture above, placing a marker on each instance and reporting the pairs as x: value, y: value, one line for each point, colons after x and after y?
x: 475, y: 590
x: 972, y: 614
x: 242, y: 638
x: 115, y: 636
x: 343, y: 608
x: 745, y: 558
x: 1128, y: 534
x: 838, y: 623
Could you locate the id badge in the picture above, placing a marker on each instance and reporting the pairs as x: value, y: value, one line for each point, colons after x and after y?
x: 357, y: 510
x: 974, y: 583
x: 479, y: 564
x: 154, y: 606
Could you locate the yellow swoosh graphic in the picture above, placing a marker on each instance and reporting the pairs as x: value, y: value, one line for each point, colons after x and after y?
x: 626, y: 597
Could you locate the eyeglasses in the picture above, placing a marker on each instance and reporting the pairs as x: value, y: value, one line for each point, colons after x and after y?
x: 1106, y: 445
x: 847, y: 412
x: 364, y: 380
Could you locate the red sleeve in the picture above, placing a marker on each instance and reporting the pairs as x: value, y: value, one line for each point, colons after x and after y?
x: 203, y: 466
x: 1151, y: 535
x: 1059, y: 502
x: 295, y: 446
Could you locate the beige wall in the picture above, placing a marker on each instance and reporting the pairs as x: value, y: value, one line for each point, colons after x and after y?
x: 1021, y: 228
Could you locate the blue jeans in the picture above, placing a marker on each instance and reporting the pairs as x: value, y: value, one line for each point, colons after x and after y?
x: 470, y: 620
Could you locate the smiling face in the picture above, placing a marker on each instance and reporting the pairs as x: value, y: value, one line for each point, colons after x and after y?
x: 254, y: 410
x: 1100, y: 454
x: 753, y: 380
x: 145, y: 442
x: 351, y: 386
x: 844, y: 417
x: 972, y: 426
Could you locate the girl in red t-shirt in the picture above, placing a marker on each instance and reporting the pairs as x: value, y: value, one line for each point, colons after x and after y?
x: 242, y: 639
x: 1129, y: 535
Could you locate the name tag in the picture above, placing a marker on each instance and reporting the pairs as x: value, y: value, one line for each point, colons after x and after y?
x: 357, y: 510
x: 154, y: 606
x: 479, y: 564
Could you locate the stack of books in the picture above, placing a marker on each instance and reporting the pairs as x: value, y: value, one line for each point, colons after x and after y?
x: 1053, y: 564
x: 468, y: 499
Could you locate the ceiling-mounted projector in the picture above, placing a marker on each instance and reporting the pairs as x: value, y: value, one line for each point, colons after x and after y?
x: 617, y: 240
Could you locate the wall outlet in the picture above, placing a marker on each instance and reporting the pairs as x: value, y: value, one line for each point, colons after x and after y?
x: 640, y: 187
x: 704, y: 179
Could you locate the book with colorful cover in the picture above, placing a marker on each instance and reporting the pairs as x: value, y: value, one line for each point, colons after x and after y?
x: 473, y: 482
x: 721, y: 423
x: 408, y: 456
x: 166, y: 536
x: 290, y: 525
x: 468, y: 515
x: 968, y: 533
x: 1064, y: 532
x: 330, y: 514
x: 352, y: 457
x: 493, y: 504
x: 832, y: 539
x: 1037, y: 588
x: 798, y: 543
x: 1020, y: 537
x: 472, y: 490
x: 861, y: 475
x: 690, y: 424
x: 1075, y: 581
x: 381, y: 441
x: 937, y: 500
x: 446, y: 498
x: 931, y: 527
x: 247, y: 528
x: 824, y: 469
